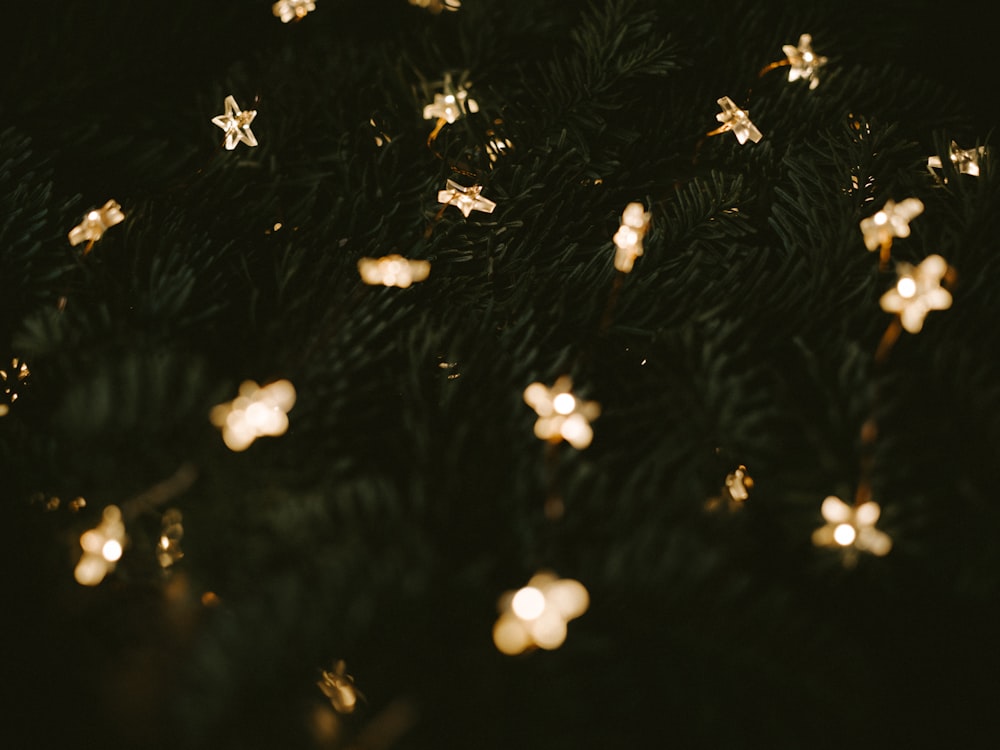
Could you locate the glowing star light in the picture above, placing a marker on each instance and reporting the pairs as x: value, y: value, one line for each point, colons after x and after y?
x: 450, y: 105
x: 465, y: 199
x: 562, y: 416
x: 917, y: 292
x: 737, y: 120
x: 535, y: 616
x: 965, y: 161
x: 628, y: 238
x: 102, y: 548
x: 393, y: 270
x: 293, y: 10
x: 803, y: 61
x: 236, y: 123
x: 95, y: 223
x: 254, y: 412
x: 892, y: 221
x: 338, y: 686
x: 851, y: 528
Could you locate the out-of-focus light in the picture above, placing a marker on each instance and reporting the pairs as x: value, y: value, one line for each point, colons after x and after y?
x: 893, y: 220
x: 102, y: 548
x: 628, y: 239
x: 450, y: 104
x: 535, y: 615
x: 918, y: 291
x: 292, y: 10
x: 561, y: 416
x: 851, y: 528
x: 255, y: 412
x: 393, y: 270
x: 338, y: 687
x: 436, y: 6
x: 95, y: 223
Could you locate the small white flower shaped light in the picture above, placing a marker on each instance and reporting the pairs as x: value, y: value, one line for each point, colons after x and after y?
x: 102, y: 548
x: 393, y: 270
x: 803, y: 61
x: 852, y: 528
x: 892, y: 220
x: 628, y: 238
x: 236, y: 123
x: 966, y: 161
x: 918, y: 291
x: 293, y: 10
x: 562, y: 416
x: 465, y: 199
x: 535, y: 615
x: 255, y: 412
x: 95, y: 223
x: 737, y: 120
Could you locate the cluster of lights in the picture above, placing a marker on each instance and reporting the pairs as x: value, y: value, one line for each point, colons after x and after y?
x: 102, y: 546
x: 11, y: 380
x: 255, y: 412
x: 561, y: 415
x: 628, y: 238
x: 535, y: 616
x: 95, y: 223
x: 393, y: 270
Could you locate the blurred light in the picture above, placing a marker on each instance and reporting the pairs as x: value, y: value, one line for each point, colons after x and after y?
x: 102, y: 548
x: 95, y: 223
x: 292, y: 10
x: 561, y: 416
x: 851, y: 528
x: 393, y: 270
x: 528, y: 603
x: 844, y: 534
x: 535, y: 616
x: 254, y: 413
x: 338, y: 686
x: 893, y: 220
x: 628, y: 239
x: 918, y: 291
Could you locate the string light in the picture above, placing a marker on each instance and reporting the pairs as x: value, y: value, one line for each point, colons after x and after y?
x: 893, y: 220
x: 803, y: 61
x: 436, y: 6
x: 536, y: 615
x: 236, y: 123
x: 735, y: 492
x: 338, y: 687
x: 628, y: 239
x: 736, y: 120
x: 12, y: 379
x: 917, y: 292
x: 102, y: 548
x: 95, y: 223
x: 450, y: 104
x: 168, y: 550
x: 255, y: 412
x: 851, y: 527
x: 965, y: 161
x: 393, y: 270
x: 562, y: 416
x: 465, y: 199
x: 293, y: 10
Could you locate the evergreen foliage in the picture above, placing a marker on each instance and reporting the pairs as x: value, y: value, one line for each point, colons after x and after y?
x: 408, y: 494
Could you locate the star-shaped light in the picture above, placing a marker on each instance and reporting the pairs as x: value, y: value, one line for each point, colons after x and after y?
x: 95, y: 223
x: 254, y: 412
x: 535, y: 616
x: 628, y: 238
x: 803, y: 61
x: 236, y: 123
x: 102, y: 548
x: 293, y: 10
x: 562, y: 416
x: 851, y: 527
x: 917, y: 292
x: 966, y: 161
x: 451, y: 104
x: 737, y: 120
x: 738, y: 484
x: 893, y: 220
x: 465, y: 199
x: 436, y: 6
x: 338, y: 686
x: 393, y: 270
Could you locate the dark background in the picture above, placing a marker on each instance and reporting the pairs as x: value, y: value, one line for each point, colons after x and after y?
x: 403, y: 502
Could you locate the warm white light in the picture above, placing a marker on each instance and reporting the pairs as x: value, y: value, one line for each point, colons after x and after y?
x: 844, y: 534
x: 906, y: 287
x: 111, y: 551
x: 564, y: 403
x: 528, y: 603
